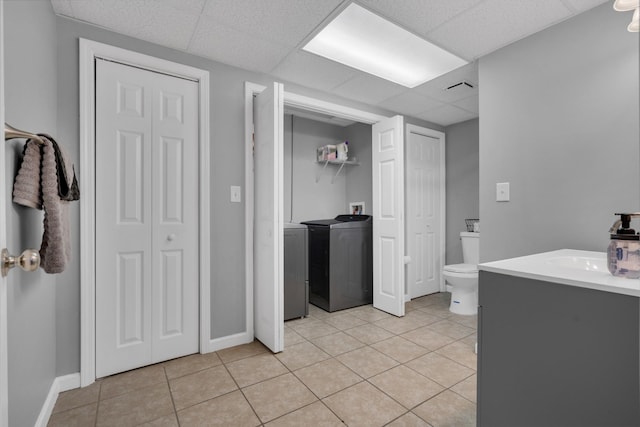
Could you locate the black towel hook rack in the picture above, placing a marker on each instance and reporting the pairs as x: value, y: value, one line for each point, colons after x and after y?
x: 10, y: 133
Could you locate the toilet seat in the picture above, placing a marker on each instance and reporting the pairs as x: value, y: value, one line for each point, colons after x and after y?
x: 460, y: 268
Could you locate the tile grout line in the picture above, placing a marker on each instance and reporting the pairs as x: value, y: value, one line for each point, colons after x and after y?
x: 173, y: 402
x: 311, y: 391
x: 95, y: 423
x: 241, y: 389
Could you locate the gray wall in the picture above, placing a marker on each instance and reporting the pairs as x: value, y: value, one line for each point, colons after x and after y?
x: 360, y: 178
x: 311, y: 199
x: 559, y: 121
x: 462, y: 169
x: 31, y: 104
x: 323, y: 199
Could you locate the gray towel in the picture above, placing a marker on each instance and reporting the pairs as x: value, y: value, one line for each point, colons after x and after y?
x: 26, y: 188
x: 67, y: 183
x: 36, y: 186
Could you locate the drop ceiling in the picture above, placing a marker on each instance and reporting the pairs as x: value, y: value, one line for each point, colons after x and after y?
x: 267, y: 37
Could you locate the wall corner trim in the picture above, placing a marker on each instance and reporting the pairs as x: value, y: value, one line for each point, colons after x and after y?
x: 59, y: 384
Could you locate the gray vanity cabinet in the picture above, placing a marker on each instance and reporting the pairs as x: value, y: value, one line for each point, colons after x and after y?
x: 556, y: 355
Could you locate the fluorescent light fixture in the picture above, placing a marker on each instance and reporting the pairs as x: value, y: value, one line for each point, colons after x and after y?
x: 365, y: 41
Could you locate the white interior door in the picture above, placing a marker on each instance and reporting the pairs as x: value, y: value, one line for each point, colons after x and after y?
x: 388, y: 215
x: 146, y: 216
x: 268, y: 218
x: 424, y: 218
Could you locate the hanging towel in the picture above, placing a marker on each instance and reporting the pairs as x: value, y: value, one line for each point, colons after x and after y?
x: 67, y: 183
x: 42, y: 190
x: 26, y: 188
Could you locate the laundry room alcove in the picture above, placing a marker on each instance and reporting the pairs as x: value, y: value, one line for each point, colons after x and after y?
x: 314, y: 189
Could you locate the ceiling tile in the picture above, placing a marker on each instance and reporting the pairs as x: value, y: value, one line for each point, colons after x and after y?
x: 147, y: 20
x: 368, y: 89
x: 221, y: 43
x: 313, y: 71
x: 191, y: 6
x: 470, y: 104
x: 420, y: 16
x: 497, y: 23
x: 584, y: 5
x: 410, y: 103
x: 264, y: 36
x: 446, y: 115
x: 282, y: 21
x: 170, y: 28
x: 436, y: 88
x: 62, y: 7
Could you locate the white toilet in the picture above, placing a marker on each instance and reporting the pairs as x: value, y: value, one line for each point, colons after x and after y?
x: 463, y: 278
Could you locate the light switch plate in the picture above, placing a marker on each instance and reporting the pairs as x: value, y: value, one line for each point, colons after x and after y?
x: 502, y: 192
x: 236, y: 194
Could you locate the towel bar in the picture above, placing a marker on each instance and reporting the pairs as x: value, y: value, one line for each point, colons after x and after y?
x: 10, y: 133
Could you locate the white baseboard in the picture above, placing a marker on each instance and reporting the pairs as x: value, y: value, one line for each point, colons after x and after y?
x: 59, y: 384
x: 229, y: 341
x: 68, y: 382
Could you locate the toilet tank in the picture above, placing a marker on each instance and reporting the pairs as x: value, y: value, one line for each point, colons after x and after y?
x: 470, y: 247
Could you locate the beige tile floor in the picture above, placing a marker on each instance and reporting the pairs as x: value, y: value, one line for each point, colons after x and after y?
x: 357, y: 367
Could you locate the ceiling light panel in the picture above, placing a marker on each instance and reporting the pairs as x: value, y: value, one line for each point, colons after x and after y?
x: 363, y: 40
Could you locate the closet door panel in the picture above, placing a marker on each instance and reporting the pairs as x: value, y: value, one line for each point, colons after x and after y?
x: 175, y: 217
x: 123, y: 218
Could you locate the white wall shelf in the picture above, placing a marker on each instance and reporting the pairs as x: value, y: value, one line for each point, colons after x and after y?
x: 340, y: 163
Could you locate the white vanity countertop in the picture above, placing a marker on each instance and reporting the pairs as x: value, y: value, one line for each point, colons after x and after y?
x: 584, y: 269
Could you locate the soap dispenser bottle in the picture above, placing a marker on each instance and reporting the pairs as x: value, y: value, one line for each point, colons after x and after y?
x: 623, y: 255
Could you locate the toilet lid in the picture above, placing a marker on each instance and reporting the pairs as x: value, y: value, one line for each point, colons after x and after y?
x: 461, y: 268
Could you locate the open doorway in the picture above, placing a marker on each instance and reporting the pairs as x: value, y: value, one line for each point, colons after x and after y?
x: 388, y: 199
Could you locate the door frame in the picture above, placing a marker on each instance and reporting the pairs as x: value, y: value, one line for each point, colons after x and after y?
x: 4, y: 367
x: 89, y: 51
x: 292, y: 100
x: 441, y: 137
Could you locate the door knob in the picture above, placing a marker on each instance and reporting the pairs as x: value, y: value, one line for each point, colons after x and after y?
x: 171, y: 236
x: 29, y: 260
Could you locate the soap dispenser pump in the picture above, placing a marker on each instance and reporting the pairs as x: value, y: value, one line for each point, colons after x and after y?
x: 623, y: 255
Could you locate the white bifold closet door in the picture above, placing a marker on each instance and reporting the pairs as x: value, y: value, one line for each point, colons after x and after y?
x: 146, y: 217
x: 388, y: 215
x: 268, y: 218
x: 423, y: 213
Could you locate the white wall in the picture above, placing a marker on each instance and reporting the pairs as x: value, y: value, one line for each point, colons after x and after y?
x: 559, y: 121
